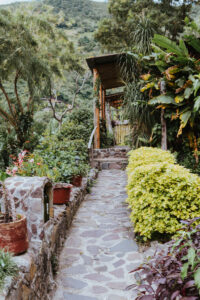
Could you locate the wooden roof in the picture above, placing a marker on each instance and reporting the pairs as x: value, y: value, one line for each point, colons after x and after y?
x: 108, y: 68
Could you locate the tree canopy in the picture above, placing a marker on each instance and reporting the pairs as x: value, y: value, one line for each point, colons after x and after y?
x: 33, y: 54
x: 128, y: 16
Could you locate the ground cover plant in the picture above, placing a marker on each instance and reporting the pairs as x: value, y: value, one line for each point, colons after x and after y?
x: 160, y: 193
x: 7, y: 267
x: 173, y: 273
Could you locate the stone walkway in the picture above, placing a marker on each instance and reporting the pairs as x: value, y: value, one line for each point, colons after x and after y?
x: 99, y: 251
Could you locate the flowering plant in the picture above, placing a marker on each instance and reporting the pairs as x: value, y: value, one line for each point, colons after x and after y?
x: 31, y: 165
x: 17, y: 163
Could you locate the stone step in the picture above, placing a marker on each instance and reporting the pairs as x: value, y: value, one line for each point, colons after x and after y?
x: 110, y: 163
x: 116, y: 152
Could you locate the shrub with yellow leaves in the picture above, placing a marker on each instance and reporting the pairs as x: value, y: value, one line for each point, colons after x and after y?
x: 147, y: 155
x: 160, y: 192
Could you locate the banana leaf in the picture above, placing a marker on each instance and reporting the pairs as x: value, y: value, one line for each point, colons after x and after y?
x: 169, y: 45
x: 162, y: 99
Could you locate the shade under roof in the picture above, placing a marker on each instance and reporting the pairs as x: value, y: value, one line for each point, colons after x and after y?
x: 108, y: 68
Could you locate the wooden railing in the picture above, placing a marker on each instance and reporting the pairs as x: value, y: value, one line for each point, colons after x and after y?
x: 90, y: 146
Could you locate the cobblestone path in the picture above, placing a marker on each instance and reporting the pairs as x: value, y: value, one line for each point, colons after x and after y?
x: 99, y: 251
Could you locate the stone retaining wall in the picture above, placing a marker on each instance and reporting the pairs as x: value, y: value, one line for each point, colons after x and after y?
x: 39, y: 265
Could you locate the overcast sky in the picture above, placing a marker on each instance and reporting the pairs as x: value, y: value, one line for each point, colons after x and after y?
x: 11, y: 1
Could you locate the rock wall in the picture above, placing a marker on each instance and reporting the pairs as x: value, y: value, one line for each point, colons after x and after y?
x: 39, y: 265
x: 29, y: 194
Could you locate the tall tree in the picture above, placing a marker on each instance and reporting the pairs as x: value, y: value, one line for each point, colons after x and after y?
x: 33, y: 53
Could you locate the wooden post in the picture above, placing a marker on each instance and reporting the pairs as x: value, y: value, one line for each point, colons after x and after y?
x: 101, y: 101
x: 96, y: 113
x: 104, y: 105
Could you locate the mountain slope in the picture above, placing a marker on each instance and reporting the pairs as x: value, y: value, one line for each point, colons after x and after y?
x: 81, y: 20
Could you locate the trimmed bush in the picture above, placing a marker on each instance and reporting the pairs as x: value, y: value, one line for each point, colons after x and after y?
x: 146, y: 155
x: 160, y: 194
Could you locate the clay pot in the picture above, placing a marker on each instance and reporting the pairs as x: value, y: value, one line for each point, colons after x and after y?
x: 77, y: 180
x: 61, y: 193
x: 14, y: 236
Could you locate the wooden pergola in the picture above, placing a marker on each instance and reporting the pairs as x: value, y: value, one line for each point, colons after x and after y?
x: 106, y: 71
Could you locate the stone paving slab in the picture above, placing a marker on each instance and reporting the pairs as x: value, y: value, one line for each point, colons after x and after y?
x: 100, y: 250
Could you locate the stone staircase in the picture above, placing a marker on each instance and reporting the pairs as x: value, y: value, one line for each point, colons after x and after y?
x: 110, y: 158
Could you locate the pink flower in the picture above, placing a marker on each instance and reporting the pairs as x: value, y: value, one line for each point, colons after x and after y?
x: 38, y: 164
x: 31, y: 160
x: 8, y: 171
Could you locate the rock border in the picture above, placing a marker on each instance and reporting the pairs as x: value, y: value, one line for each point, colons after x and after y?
x: 39, y: 265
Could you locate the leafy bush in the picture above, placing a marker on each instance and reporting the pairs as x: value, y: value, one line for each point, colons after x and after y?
x: 160, y: 194
x: 7, y: 267
x: 63, y: 157
x: 173, y: 273
x: 82, y: 116
x: 146, y: 155
x: 74, y: 131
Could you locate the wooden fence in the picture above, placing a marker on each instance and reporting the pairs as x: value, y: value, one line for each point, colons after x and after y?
x: 120, y: 132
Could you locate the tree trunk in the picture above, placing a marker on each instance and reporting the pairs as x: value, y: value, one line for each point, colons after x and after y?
x: 164, y: 131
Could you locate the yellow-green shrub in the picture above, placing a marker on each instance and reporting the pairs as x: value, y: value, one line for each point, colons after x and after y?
x: 147, y: 155
x: 160, y: 195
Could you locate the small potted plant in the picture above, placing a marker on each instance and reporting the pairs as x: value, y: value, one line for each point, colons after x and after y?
x: 32, y: 164
x: 13, y: 227
x: 79, y: 169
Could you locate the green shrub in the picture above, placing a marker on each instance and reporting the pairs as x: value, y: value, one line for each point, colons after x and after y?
x: 60, y: 155
x: 160, y: 194
x: 146, y: 155
x: 7, y: 267
x: 74, y: 131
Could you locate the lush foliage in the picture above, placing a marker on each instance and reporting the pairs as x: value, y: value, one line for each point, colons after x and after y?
x: 63, y: 156
x: 160, y: 193
x: 30, y: 62
x: 173, y: 273
x: 173, y: 84
x: 7, y: 267
x: 58, y: 159
x: 80, y: 21
x: 26, y: 164
x: 147, y: 155
x: 132, y: 23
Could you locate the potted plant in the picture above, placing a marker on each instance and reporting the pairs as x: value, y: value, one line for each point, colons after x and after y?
x: 61, y: 193
x: 78, y: 170
x: 13, y: 227
x: 33, y: 165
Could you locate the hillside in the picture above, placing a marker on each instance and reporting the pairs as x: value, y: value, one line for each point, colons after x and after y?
x: 81, y: 20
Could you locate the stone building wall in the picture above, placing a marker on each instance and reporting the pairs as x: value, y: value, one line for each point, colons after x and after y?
x: 38, y: 266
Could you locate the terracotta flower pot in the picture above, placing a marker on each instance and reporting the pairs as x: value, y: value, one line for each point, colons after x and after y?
x: 61, y: 193
x: 77, y: 180
x: 14, y: 236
